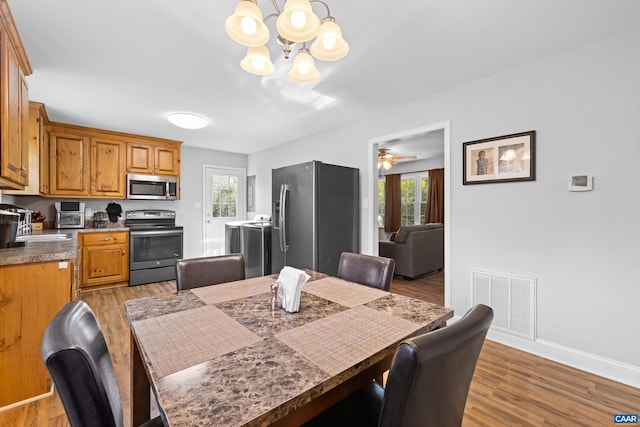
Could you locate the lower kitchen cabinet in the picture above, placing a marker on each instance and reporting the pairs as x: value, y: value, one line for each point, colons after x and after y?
x: 30, y: 296
x: 105, y: 258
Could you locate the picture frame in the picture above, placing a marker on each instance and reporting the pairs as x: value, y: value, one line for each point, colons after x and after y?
x: 507, y: 158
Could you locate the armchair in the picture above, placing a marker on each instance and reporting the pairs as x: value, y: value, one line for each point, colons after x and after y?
x: 417, y: 249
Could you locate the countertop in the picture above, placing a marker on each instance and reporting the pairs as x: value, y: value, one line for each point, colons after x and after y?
x: 44, y: 251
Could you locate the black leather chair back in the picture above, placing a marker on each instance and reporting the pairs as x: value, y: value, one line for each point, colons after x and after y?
x: 431, y: 374
x: 205, y: 271
x: 76, y: 355
x: 368, y: 270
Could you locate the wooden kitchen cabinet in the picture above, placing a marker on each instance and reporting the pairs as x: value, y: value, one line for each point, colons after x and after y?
x: 14, y: 105
x: 105, y: 258
x: 107, y: 168
x: 153, y: 158
x: 38, y: 153
x: 69, y: 164
x: 93, y: 163
x: 30, y: 296
x: 82, y: 164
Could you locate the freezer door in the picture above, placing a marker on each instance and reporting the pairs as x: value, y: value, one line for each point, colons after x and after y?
x: 338, y: 215
x: 299, y: 216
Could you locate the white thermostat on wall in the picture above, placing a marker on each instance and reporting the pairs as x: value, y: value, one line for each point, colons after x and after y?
x: 580, y: 183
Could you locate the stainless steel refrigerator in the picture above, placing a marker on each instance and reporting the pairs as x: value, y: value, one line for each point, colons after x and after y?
x: 315, y: 216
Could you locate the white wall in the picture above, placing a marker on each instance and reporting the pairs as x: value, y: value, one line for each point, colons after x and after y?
x: 583, y: 248
x: 189, y: 209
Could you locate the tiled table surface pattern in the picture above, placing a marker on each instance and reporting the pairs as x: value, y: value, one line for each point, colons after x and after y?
x: 220, y: 356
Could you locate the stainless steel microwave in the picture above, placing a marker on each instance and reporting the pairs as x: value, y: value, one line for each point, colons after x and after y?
x: 152, y: 187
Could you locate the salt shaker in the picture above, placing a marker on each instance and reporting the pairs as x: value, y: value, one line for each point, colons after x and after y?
x: 274, y: 296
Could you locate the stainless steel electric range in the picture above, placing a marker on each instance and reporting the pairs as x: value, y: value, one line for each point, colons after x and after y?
x: 155, y: 245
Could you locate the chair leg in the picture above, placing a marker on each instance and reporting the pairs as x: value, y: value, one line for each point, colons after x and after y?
x: 380, y: 380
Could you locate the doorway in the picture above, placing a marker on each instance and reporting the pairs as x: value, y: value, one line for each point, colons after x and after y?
x: 376, y: 143
x: 225, y: 201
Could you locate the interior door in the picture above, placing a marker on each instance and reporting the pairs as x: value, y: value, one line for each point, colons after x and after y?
x: 225, y: 201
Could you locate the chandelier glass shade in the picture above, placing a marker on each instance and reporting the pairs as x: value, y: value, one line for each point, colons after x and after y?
x: 304, y: 69
x: 258, y: 61
x: 297, y: 23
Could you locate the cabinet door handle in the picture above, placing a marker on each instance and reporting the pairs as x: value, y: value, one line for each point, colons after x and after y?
x: 106, y: 239
x: 124, y: 253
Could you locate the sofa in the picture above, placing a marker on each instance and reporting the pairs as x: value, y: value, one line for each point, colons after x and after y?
x: 417, y: 249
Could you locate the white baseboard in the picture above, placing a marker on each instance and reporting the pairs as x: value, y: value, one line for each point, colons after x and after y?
x: 597, y: 365
x: 24, y: 402
x: 608, y: 368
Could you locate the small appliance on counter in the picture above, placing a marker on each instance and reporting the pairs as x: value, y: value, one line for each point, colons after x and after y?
x: 69, y: 214
x: 24, y: 214
x: 100, y: 219
x: 8, y: 228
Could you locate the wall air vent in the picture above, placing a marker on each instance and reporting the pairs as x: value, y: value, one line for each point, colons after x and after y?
x: 513, y: 299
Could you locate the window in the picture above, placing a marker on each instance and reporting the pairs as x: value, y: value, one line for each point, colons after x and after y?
x: 414, y: 198
x: 408, y: 204
x: 413, y: 188
x: 225, y: 196
x: 381, y: 202
x: 424, y: 185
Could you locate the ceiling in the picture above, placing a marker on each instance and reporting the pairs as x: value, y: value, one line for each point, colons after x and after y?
x: 125, y: 65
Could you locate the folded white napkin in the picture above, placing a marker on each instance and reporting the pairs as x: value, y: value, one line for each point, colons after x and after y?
x: 290, y: 282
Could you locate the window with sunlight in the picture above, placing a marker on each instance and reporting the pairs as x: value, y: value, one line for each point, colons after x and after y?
x: 381, y: 202
x: 225, y: 196
x: 414, y: 189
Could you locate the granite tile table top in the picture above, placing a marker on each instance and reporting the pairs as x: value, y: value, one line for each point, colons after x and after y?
x: 219, y: 355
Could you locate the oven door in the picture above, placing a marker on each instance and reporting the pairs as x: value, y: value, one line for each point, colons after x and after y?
x: 154, y: 248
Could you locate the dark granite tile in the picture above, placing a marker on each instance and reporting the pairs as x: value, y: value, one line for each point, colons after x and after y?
x: 256, y: 315
x: 145, y: 308
x: 414, y: 310
x: 236, y: 388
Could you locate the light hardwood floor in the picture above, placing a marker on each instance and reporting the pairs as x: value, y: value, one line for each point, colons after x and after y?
x: 510, y: 387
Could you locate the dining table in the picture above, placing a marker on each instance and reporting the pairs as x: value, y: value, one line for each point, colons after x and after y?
x: 225, y: 355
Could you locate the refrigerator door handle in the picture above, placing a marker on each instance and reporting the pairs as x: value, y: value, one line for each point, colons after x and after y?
x: 284, y: 189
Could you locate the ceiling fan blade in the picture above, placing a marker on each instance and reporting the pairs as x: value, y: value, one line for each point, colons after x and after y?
x: 402, y: 158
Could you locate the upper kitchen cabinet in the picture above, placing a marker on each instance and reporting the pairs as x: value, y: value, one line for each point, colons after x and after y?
x: 85, y: 164
x: 93, y: 163
x: 156, y: 158
x: 69, y: 163
x: 38, y: 141
x: 107, y: 169
x: 14, y: 104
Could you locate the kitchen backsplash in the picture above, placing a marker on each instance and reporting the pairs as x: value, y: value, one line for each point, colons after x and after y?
x: 46, y: 205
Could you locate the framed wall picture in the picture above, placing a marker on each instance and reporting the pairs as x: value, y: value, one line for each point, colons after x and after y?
x: 505, y: 158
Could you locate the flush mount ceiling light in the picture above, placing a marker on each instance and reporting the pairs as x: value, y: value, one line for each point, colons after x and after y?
x: 295, y: 24
x: 187, y: 120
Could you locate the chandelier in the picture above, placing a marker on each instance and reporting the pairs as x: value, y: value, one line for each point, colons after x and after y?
x: 295, y: 24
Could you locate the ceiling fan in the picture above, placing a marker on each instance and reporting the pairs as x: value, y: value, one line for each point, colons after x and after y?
x: 386, y: 159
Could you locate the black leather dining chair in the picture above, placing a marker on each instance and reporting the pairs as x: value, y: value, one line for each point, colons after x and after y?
x: 367, y: 270
x: 212, y: 270
x: 428, y: 381
x: 76, y: 355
